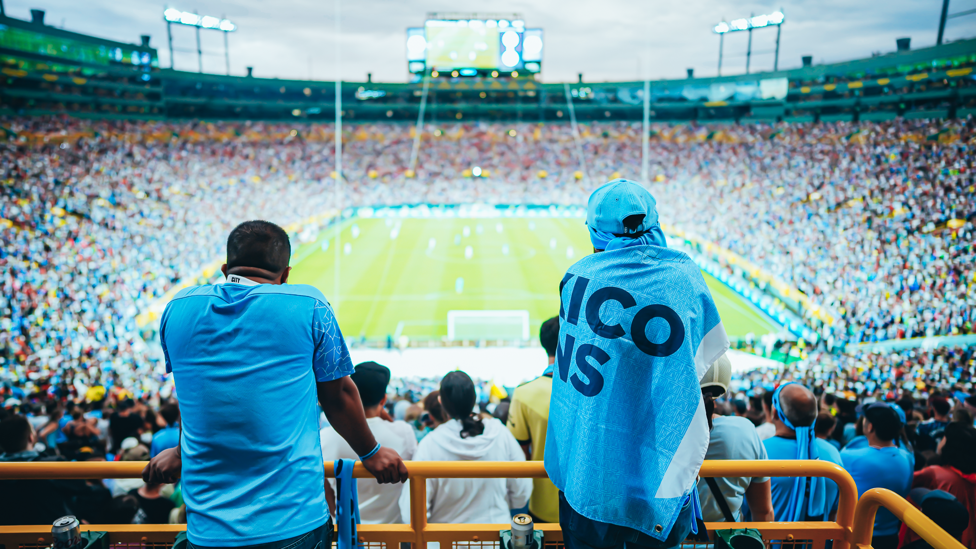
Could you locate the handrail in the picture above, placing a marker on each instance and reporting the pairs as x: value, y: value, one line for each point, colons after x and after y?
x: 922, y: 525
x: 420, y: 532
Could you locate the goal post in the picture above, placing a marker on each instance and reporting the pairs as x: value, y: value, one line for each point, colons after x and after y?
x: 474, y: 325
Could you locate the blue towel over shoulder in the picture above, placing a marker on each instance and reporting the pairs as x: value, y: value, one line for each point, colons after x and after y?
x: 627, y: 428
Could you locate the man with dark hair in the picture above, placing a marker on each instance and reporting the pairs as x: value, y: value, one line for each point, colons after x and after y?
x: 930, y: 432
x: 377, y: 504
x: 169, y: 436
x: 881, y: 464
x: 528, y: 418
x: 794, y: 416
x: 767, y: 429
x: 124, y: 423
x: 253, y: 474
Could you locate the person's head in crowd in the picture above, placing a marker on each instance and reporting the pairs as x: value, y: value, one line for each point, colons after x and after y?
x: 258, y: 249
x: 944, y: 510
x: 907, y: 404
x: 796, y: 408
x: 77, y: 414
x: 433, y: 411
x: 970, y: 404
x: 501, y: 411
x: 170, y: 414
x: 136, y: 452
x: 739, y: 407
x: 400, y: 409
x: 621, y: 212
x: 940, y: 408
x: 126, y: 406
x: 458, y: 398
x: 828, y: 401
x: 767, y: 406
x: 882, y: 425
x: 549, y: 337
x: 16, y: 434
x: 413, y: 413
x: 962, y: 415
x: 714, y: 384
x: 372, y: 380
x: 122, y: 510
x: 825, y: 425
x: 958, y: 448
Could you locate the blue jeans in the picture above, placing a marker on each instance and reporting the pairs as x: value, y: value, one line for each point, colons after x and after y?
x: 320, y: 538
x: 580, y: 532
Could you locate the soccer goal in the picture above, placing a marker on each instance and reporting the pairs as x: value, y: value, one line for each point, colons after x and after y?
x: 471, y: 325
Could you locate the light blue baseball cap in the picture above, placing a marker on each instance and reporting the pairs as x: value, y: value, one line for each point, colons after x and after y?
x: 618, y: 200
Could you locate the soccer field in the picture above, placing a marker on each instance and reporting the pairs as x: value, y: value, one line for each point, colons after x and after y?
x: 400, y: 277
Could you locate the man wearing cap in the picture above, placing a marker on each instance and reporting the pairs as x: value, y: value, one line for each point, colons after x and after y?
x: 881, y: 464
x: 795, y: 415
x: 627, y: 428
x: 252, y: 360
x: 731, y: 437
x: 378, y: 503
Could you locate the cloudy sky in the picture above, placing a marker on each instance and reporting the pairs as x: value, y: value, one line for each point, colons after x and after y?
x: 604, y: 39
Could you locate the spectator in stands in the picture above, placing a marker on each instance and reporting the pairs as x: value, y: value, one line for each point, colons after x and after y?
x: 32, y: 501
x: 434, y: 410
x: 795, y: 415
x: 528, y: 419
x: 254, y: 473
x: 881, y: 464
x: 378, y: 503
x: 944, y: 510
x: 169, y: 436
x: 124, y: 423
x: 79, y: 433
x: 125, y: 509
x: 956, y: 474
x: 731, y: 437
x: 930, y: 431
x: 767, y: 429
x: 627, y: 430
x: 155, y: 507
x: 825, y: 428
x: 464, y: 437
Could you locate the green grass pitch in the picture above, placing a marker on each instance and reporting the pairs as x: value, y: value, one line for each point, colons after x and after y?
x: 408, y: 273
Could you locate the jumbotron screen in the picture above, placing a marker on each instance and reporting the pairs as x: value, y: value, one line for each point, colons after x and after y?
x: 474, y: 47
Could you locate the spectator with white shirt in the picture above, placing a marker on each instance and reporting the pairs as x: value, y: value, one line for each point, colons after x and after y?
x: 378, y: 503
x: 465, y: 437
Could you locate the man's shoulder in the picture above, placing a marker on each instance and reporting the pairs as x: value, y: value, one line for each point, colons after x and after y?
x: 736, y: 425
x: 540, y: 386
x: 828, y: 452
x: 297, y: 290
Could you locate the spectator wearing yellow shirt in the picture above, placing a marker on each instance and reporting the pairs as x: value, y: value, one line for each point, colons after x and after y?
x: 528, y: 417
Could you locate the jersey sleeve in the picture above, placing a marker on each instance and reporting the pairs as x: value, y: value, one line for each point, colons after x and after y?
x: 516, y: 420
x: 330, y: 360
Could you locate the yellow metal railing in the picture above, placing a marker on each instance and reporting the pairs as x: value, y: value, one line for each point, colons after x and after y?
x: 843, y: 531
x: 922, y: 525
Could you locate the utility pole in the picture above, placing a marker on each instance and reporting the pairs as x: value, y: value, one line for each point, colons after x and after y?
x: 169, y: 36
x: 749, y: 51
x: 779, y: 29
x: 721, y: 44
x: 200, y: 52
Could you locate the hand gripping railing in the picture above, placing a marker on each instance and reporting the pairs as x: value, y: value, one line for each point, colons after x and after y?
x: 922, y: 525
x: 420, y: 532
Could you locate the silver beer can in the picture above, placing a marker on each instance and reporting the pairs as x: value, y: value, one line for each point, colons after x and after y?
x: 66, y: 533
x: 522, y: 528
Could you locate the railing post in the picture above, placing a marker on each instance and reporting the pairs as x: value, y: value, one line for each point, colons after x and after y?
x: 418, y: 510
x: 864, y: 514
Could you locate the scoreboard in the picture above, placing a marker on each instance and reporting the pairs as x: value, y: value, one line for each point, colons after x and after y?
x: 462, y: 45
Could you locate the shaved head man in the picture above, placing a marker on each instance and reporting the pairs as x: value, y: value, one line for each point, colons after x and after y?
x: 794, y: 416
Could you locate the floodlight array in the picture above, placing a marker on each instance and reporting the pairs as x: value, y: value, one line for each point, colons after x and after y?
x: 173, y: 15
x: 754, y: 22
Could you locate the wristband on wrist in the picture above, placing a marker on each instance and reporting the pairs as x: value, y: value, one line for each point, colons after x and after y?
x: 371, y: 453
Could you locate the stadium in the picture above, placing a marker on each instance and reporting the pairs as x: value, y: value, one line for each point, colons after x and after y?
x: 445, y: 221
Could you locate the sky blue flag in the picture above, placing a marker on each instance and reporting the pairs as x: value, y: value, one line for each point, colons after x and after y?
x: 627, y: 428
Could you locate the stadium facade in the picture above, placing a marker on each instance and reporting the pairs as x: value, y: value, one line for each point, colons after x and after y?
x: 46, y: 70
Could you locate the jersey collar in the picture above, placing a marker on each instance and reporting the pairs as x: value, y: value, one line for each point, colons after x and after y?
x: 238, y: 279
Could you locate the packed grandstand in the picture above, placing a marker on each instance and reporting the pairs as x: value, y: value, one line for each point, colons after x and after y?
x: 853, y: 213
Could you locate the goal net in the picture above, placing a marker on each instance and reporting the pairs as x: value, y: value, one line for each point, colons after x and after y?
x: 473, y: 325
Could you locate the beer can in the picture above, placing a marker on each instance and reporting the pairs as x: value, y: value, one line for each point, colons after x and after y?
x: 66, y: 533
x: 522, y: 528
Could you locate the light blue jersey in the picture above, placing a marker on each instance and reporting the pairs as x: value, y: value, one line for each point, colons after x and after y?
x: 246, y: 358
x: 627, y: 428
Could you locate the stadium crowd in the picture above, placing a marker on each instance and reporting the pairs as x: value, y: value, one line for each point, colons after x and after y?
x: 99, y: 219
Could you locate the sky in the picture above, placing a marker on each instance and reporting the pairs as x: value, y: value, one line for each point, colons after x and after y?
x: 605, y: 40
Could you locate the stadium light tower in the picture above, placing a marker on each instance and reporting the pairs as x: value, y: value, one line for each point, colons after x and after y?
x: 775, y: 19
x: 174, y: 16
